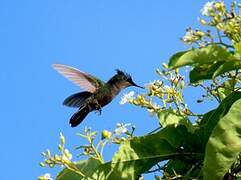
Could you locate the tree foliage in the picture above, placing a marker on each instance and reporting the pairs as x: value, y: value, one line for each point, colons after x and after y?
x: 186, y: 145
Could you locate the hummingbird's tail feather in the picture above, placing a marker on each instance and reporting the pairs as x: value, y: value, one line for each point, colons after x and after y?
x: 77, y: 100
x: 79, y: 116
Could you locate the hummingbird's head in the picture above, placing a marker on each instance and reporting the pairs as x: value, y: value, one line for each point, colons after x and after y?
x: 124, y: 79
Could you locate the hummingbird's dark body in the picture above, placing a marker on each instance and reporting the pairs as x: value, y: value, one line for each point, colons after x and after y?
x: 98, y: 93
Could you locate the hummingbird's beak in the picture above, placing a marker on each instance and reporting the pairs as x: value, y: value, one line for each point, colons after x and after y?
x: 134, y: 84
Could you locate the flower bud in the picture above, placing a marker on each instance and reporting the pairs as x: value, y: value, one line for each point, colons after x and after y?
x: 41, y: 178
x: 212, y: 14
x: 186, y: 111
x: 165, y: 65
x: 200, y: 33
x: 182, y: 84
x: 175, y: 81
x: 202, y: 21
x: 60, y: 147
x: 106, y: 134
x: 219, y: 6
x: 48, y: 153
x: 169, y: 100
x: 56, y: 157
x: 170, y: 91
x: 217, y: 18
x: 176, y: 70
x: 88, y: 150
x: 42, y: 164
x: 47, y: 161
x: 62, y: 139
x: 220, y: 26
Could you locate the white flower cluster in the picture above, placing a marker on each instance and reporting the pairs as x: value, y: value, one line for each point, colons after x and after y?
x: 67, y: 156
x: 127, y: 97
x: 192, y: 35
x: 188, y: 36
x: 207, y: 8
x: 121, y: 128
x: 46, y: 176
x: 156, y: 84
x: 167, y: 88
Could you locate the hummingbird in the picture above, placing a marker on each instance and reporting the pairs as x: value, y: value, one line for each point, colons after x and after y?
x: 97, y: 93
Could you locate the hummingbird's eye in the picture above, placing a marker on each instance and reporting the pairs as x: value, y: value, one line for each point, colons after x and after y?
x: 126, y: 77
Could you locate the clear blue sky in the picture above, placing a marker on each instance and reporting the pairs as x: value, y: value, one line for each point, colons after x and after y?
x: 92, y: 35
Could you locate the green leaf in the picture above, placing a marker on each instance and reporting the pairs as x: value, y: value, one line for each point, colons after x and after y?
x: 227, y: 66
x: 87, y: 167
x: 141, y: 153
x: 175, y: 58
x: 167, y: 117
x: 200, y: 129
x: 105, y: 172
x: 176, y: 166
x: 215, y: 115
x: 210, y: 119
x: 203, y: 72
x: 209, y: 54
x: 224, y: 144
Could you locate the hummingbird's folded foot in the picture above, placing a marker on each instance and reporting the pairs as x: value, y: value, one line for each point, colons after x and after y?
x: 98, y: 107
x: 99, y: 111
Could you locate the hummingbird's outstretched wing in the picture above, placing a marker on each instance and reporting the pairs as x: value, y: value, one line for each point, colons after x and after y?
x: 82, y: 79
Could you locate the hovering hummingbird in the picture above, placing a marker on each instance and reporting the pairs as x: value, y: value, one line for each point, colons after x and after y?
x: 97, y: 93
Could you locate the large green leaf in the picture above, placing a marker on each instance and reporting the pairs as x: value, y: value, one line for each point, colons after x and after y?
x: 176, y: 166
x: 204, y: 71
x: 224, y: 144
x: 141, y: 153
x: 228, y: 66
x: 209, y: 54
x: 87, y: 167
x: 167, y: 117
x: 211, y: 119
x: 200, y: 129
x: 175, y: 58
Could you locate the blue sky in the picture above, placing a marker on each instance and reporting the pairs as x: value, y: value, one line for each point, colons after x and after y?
x: 94, y: 36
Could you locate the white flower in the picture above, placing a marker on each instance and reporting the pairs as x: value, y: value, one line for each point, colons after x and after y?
x: 67, y: 154
x: 151, y: 112
x: 156, y: 82
x: 121, y: 128
x: 47, y: 177
x: 189, y: 37
x: 207, y: 7
x: 166, y: 87
x: 65, y: 158
x: 127, y: 97
x: 150, y: 84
